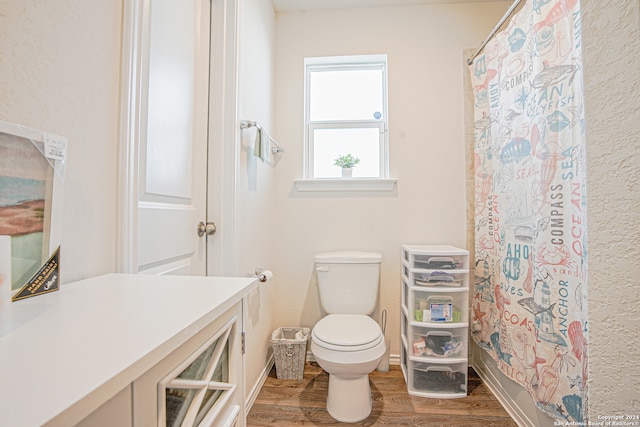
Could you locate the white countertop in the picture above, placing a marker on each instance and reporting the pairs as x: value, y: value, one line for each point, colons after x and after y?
x: 84, y: 343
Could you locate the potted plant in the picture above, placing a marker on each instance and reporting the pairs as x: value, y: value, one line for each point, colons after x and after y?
x: 347, y: 162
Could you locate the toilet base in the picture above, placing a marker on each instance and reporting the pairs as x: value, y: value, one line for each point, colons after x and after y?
x: 349, y: 399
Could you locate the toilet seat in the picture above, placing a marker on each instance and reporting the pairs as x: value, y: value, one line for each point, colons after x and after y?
x: 347, y: 332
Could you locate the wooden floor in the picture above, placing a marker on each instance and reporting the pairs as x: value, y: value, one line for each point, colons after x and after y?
x: 285, y: 403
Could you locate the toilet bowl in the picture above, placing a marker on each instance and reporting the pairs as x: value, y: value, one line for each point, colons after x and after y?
x: 348, y: 347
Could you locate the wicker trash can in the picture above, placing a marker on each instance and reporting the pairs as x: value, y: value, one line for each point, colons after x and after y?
x: 290, y: 351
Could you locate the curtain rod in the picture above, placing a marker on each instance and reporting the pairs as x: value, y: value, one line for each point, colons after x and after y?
x: 494, y: 31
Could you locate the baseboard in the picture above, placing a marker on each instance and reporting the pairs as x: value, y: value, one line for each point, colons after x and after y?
x: 258, y: 385
x: 509, y: 405
x: 394, y: 359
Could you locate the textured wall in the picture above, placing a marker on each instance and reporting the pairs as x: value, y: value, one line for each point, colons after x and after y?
x: 611, y: 37
x: 60, y: 72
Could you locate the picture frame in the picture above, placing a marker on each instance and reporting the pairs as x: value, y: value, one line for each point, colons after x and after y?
x: 32, y: 166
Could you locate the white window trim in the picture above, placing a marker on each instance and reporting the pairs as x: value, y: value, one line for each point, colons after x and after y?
x: 309, y: 183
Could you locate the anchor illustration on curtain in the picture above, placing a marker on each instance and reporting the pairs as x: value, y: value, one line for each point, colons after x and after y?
x: 529, y: 306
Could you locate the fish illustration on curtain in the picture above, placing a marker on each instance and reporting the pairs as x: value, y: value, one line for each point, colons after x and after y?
x: 529, y: 306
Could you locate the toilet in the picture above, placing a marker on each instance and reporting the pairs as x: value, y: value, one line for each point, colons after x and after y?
x: 347, y: 343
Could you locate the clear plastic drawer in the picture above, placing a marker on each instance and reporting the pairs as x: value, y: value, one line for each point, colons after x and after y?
x: 437, y: 378
x: 434, y: 307
x: 439, y: 262
x: 435, y: 257
x: 436, y: 342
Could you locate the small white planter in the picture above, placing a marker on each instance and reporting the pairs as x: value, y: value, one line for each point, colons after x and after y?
x: 347, y: 172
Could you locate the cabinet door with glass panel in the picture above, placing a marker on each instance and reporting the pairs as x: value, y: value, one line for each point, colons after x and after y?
x: 198, y: 384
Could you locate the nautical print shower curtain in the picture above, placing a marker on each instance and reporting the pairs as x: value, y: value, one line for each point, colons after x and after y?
x: 529, y: 307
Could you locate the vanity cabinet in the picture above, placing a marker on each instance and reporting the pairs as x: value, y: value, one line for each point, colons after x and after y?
x: 198, y: 384
x: 435, y: 320
x: 127, y: 350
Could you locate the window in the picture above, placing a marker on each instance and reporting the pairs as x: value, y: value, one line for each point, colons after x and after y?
x: 346, y: 113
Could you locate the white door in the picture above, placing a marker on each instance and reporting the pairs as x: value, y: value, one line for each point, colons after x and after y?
x: 178, y: 136
x: 173, y: 153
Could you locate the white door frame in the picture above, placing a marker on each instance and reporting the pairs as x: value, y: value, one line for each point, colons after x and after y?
x: 224, y: 137
x: 223, y: 134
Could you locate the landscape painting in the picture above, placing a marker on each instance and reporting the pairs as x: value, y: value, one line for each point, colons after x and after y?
x: 26, y: 185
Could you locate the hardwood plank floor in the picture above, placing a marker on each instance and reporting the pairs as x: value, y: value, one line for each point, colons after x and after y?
x: 286, y: 403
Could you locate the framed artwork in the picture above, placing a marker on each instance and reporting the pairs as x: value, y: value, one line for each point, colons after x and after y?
x: 31, y: 182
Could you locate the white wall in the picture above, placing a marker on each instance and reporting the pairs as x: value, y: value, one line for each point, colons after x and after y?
x: 611, y: 53
x: 60, y: 70
x: 255, y: 207
x: 424, y: 46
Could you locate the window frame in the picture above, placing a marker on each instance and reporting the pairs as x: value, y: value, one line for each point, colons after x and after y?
x: 345, y: 63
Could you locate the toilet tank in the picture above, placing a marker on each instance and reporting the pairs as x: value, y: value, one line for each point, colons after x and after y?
x: 348, y: 281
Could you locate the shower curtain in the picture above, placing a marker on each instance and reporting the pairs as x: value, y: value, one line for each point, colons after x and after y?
x: 529, y: 307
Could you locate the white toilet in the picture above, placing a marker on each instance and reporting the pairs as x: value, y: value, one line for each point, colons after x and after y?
x: 347, y: 343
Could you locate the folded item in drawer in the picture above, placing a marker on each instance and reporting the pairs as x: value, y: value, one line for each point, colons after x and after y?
x: 437, y: 262
x: 437, y: 278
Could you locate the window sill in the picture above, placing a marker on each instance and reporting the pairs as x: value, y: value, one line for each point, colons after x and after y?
x: 353, y: 184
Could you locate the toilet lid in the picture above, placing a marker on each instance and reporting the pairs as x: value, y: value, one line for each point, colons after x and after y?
x: 347, y: 332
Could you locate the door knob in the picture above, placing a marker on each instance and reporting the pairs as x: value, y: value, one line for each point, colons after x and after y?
x: 209, y: 229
